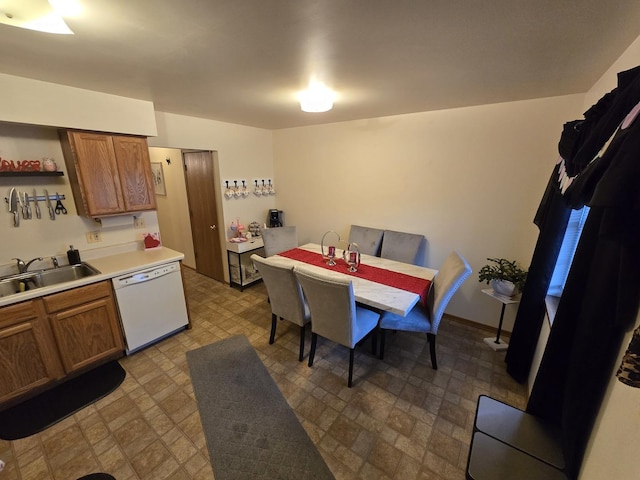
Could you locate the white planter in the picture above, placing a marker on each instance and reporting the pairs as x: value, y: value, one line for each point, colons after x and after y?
x: 503, y: 287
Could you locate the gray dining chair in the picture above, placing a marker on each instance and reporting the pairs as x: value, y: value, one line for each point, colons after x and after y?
x: 285, y: 297
x: 368, y: 239
x: 279, y: 239
x: 426, y: 319
x: 334, y: 313
x: 400, y: 246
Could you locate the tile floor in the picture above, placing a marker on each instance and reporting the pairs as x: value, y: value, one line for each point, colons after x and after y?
x: 401, y: 420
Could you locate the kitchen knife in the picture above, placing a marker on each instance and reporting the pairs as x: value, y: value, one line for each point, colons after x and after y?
x: 27, y: 203
x: 52, y: 213
x: 22, y: 207
x: 13, y: 207
x: 35, y: 200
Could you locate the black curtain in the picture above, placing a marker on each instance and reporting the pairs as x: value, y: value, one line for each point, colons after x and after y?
x: 551, y: 218
x: 576, y: 143
x: 602, y: 293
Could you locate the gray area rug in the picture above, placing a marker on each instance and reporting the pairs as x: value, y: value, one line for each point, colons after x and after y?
x: 251, y: 431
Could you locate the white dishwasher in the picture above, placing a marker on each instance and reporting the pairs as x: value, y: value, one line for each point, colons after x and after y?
x: 151, y: 304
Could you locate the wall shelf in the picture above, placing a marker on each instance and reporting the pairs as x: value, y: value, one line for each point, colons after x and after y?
x: 31, y: 174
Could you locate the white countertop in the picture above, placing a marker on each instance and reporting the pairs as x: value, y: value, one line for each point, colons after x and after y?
x: 110, y: 262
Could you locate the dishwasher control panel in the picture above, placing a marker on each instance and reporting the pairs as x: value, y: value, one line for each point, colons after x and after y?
x: 145, y: 275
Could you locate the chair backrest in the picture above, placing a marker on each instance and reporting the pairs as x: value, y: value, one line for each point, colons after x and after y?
x: 279, y: 239
x: 454, y: 271
x: 285, y: 293
x: 332, y: 305
x: 400, y: 246
x: 368, y: 239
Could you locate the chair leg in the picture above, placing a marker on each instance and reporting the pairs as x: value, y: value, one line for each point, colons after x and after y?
x: 382, y: 338
x: 350, y: 381
x: 312, y: 352
x: 274, y: 322
x: 374, y: 341
x: 432, y: 350
x: 301, y: 343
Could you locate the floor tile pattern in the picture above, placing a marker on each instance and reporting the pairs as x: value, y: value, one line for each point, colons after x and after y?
x: 402, y: 420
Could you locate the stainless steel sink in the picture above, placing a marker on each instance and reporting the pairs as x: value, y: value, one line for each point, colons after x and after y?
x: 46, y: 278
x: 10, y: 286
x: 21, y: 282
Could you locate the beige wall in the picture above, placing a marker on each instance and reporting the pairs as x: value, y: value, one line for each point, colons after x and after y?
x: 469, y: 179
x: 613, y: 447
x: 35, y: 238
x: 629, y: 59
x: 242, y: 152
x: 30, y: 114
x: 41, y: 103
x: 173, y: 213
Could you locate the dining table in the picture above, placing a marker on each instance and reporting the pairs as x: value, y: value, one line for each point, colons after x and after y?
x: 380, y: 283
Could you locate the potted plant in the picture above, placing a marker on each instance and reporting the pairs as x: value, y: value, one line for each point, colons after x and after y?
x: 506, y: 277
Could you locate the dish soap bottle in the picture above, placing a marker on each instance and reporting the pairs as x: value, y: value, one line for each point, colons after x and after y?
x: 73, y: 255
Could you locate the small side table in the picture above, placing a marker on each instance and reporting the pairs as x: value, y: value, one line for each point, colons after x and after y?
x: 495, y: 343
x: 242, y: 273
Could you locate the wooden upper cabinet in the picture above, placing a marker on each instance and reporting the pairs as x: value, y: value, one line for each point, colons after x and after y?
x: 134, y: 166
x: 109, y: 174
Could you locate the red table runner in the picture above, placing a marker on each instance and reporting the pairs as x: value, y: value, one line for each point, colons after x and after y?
x: 402, y: 281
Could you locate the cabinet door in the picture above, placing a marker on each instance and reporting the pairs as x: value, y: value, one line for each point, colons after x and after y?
x: 85, y: 324
x: 96, y: 173
x: 28, y: 356
x: 87, y: 333
x: 134, y: 167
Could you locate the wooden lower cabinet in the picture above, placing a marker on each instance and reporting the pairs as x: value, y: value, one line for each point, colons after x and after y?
x: 45, y: 339
x: 85, y: 325
x: 28, y: 355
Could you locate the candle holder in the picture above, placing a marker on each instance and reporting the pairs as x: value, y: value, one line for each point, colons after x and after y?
x: 331, y: 255
x: 352, y: 256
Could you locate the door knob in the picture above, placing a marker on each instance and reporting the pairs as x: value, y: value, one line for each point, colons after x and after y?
x: 212, y: 227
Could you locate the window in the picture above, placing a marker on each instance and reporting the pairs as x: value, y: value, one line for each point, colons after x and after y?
x: 567, y: 250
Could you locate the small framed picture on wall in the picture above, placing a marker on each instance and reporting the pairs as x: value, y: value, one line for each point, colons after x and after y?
x: 158, y: 178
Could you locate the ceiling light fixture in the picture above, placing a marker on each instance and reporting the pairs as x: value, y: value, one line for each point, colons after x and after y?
x: 41, y: 15
x: 317, y: 98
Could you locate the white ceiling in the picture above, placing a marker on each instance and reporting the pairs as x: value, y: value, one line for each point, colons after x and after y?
x: 243, y: 61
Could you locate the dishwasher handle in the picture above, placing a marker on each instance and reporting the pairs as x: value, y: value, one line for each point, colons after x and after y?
x: 145, y: 275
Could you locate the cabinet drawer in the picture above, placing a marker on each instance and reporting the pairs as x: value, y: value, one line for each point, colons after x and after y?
x: 19, y: 312
x: 77, y: 296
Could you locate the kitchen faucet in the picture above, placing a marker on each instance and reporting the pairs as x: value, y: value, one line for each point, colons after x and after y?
x: 22, y: 267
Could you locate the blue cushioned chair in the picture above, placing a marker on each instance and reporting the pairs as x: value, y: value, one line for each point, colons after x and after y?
x: 453, y: 273
x: 368, y: 239
x: 279, y: 239
x: 334, y: 312
x: 400, y: 246
x: 285, y: 296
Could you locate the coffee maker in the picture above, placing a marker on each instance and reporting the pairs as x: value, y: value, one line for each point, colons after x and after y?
x: 274, y: 219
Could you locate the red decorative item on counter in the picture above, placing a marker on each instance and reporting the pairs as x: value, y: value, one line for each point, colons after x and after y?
x: 151, y: 240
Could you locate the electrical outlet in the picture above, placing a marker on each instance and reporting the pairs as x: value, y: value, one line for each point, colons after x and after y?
x: 94, y: 237
x: 138, y: 222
